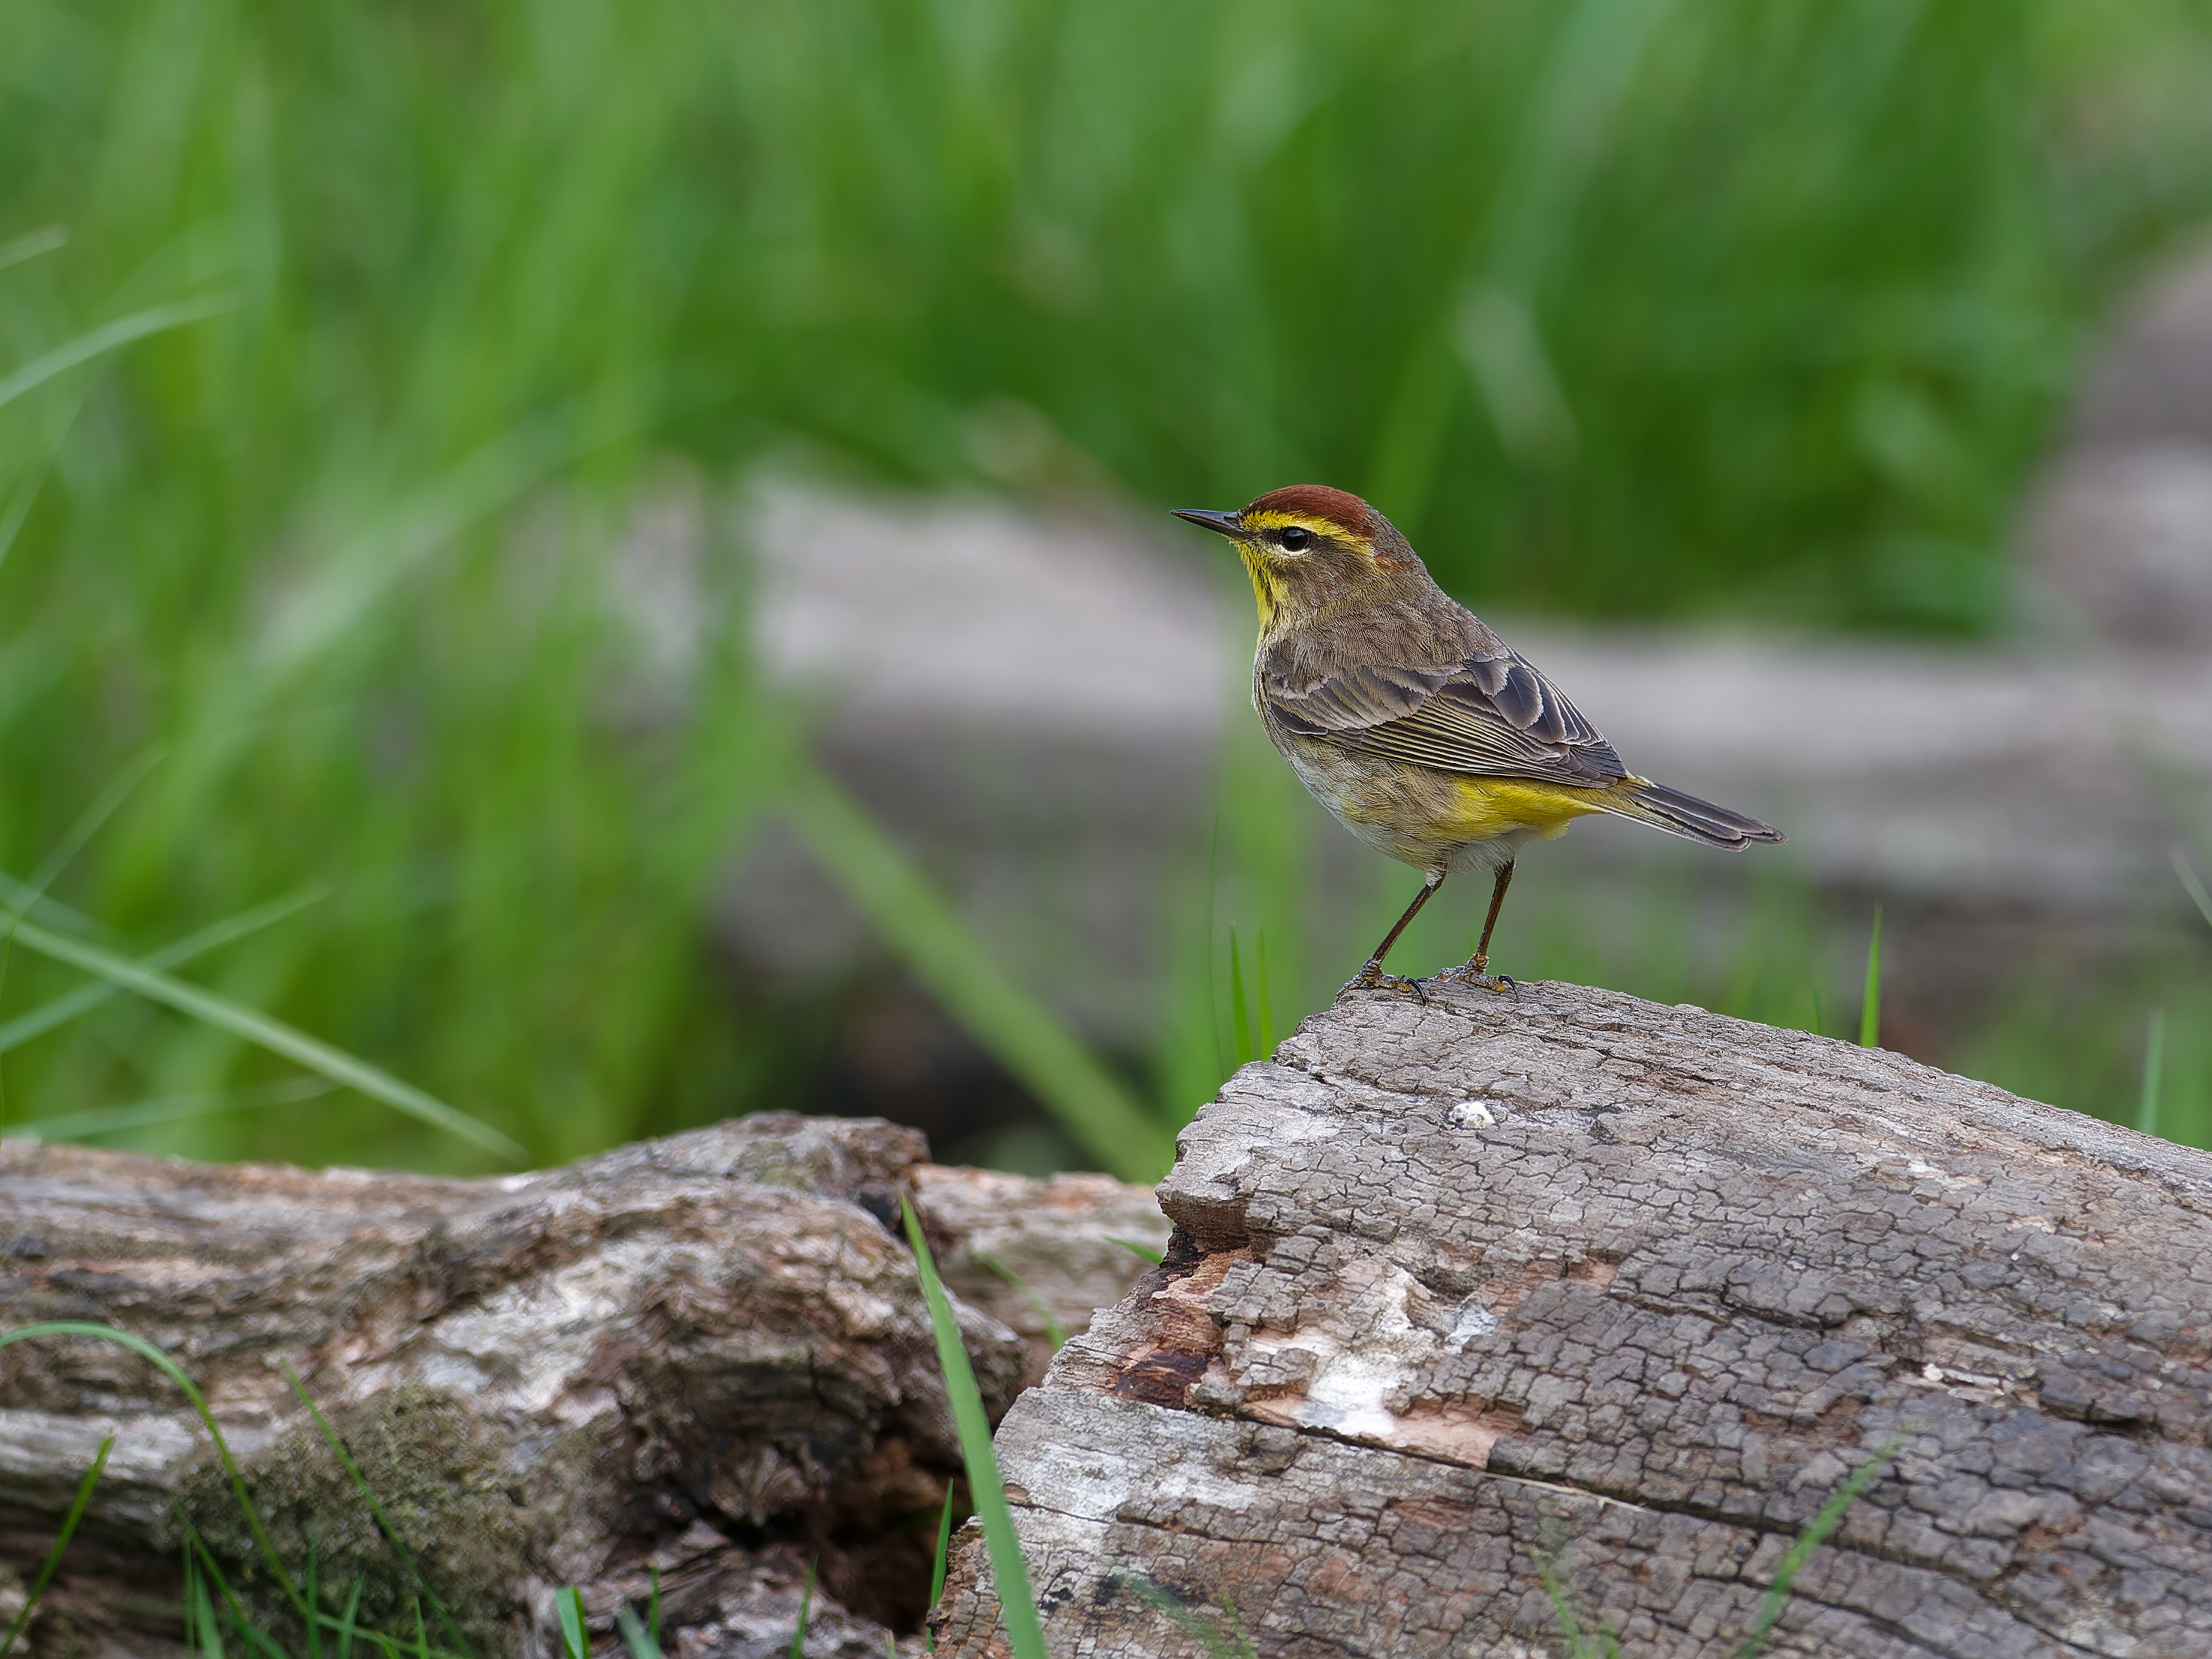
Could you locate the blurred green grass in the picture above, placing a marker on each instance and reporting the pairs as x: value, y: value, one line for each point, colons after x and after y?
x: 1620, y: 308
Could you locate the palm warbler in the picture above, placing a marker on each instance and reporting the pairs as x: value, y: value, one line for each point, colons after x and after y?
x: 1427, y: 736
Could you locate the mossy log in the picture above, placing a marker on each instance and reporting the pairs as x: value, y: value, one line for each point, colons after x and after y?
x: 706, y: 1357
x: 1501, y: 1303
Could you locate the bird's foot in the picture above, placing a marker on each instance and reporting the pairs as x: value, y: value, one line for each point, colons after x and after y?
x: 1372, y: 978
x: 1472, y: 973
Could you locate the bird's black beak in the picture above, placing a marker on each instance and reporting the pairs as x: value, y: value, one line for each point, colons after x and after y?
x: 1231, y: 525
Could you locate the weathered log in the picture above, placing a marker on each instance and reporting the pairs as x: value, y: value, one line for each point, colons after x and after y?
x: 706, y: 1356
x: 1467, y: 1295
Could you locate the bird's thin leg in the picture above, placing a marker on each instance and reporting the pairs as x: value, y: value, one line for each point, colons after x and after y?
x: 1481, y: 959
x: 1372, y: 975
x: 1472, y: 973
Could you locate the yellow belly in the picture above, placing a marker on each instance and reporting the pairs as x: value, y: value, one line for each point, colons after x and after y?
x: 1490, y: 807
x: 1433, y: 820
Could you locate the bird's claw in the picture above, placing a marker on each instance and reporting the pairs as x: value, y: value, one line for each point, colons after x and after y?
x: 1467, y: 973
x: 1371, y: 978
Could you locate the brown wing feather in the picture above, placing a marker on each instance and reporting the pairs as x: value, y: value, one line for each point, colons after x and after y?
x: 1492, y: 714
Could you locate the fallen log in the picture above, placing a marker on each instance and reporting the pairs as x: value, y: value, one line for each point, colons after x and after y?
x: 705, y: 1357
x: 1502, y: 1311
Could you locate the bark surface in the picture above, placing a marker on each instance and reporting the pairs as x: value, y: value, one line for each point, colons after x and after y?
x: 1470, y: 1296
x: 706, y: 1356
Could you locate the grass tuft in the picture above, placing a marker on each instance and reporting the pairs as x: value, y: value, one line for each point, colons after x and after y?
x: 376, y: 1507
x: 145, y: 1350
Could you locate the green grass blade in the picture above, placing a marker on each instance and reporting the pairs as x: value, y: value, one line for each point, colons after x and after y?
x: 375, y: 1506
x: 204, y: 1612
x: 1563, y: 1608
x: 1266, y: 1049
x: 27, y: 492
x: 2191, y: 883
x: 18, y: 896
x: 32, y: 243
x: 1239, y: 1022
x: 258, y: 1028
x: 1053, y: 1330
x: 805, y: 1608
x: 88, y: 825
x: 1026, y: 1037
x: 2154, y: 1068
x: 569, y: 1605
x: 1135, y: 1248
x: 165, y: 1108
x: 636, y: 1640
x: 77, y: 1509
x: 347, y: 1626
x: 109, y: 335
x: 1212, y: 903
x: 145, y: 1350
x: 1816, y: 1531
x: 1870, y: 1004
x: 936, y: 1566
x: 653, y: 1611
x: 47, y: 1015
x: 1201, y: 1631
x: 383, y: 1642
x: 1244, y: 1647
x: 1017, y: 1601
x: 312, y: 1590
x: 359, y: 574
x: 230, y: 1607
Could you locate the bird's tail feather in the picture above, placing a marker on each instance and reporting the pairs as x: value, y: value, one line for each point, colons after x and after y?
x: 1687, y: 816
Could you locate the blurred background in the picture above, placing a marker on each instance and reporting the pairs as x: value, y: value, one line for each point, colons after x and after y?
x: 609, y: 561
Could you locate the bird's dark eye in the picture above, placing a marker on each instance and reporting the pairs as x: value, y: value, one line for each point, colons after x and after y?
x: 1296, y: 538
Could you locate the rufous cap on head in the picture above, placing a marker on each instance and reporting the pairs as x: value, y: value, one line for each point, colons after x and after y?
x: 1338, y: 507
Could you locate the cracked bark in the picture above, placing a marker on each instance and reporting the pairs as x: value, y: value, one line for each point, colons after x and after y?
x: 706, y: 1355
x: 1462, y: 1293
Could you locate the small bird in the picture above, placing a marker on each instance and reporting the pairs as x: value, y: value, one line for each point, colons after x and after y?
x: 1426, y: 735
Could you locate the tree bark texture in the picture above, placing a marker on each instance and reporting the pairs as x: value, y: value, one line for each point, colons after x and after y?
x: 1470, y: 1295
x: 706, y: 1356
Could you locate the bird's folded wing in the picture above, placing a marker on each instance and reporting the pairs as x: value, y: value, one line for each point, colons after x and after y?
x: 1493, y: 716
